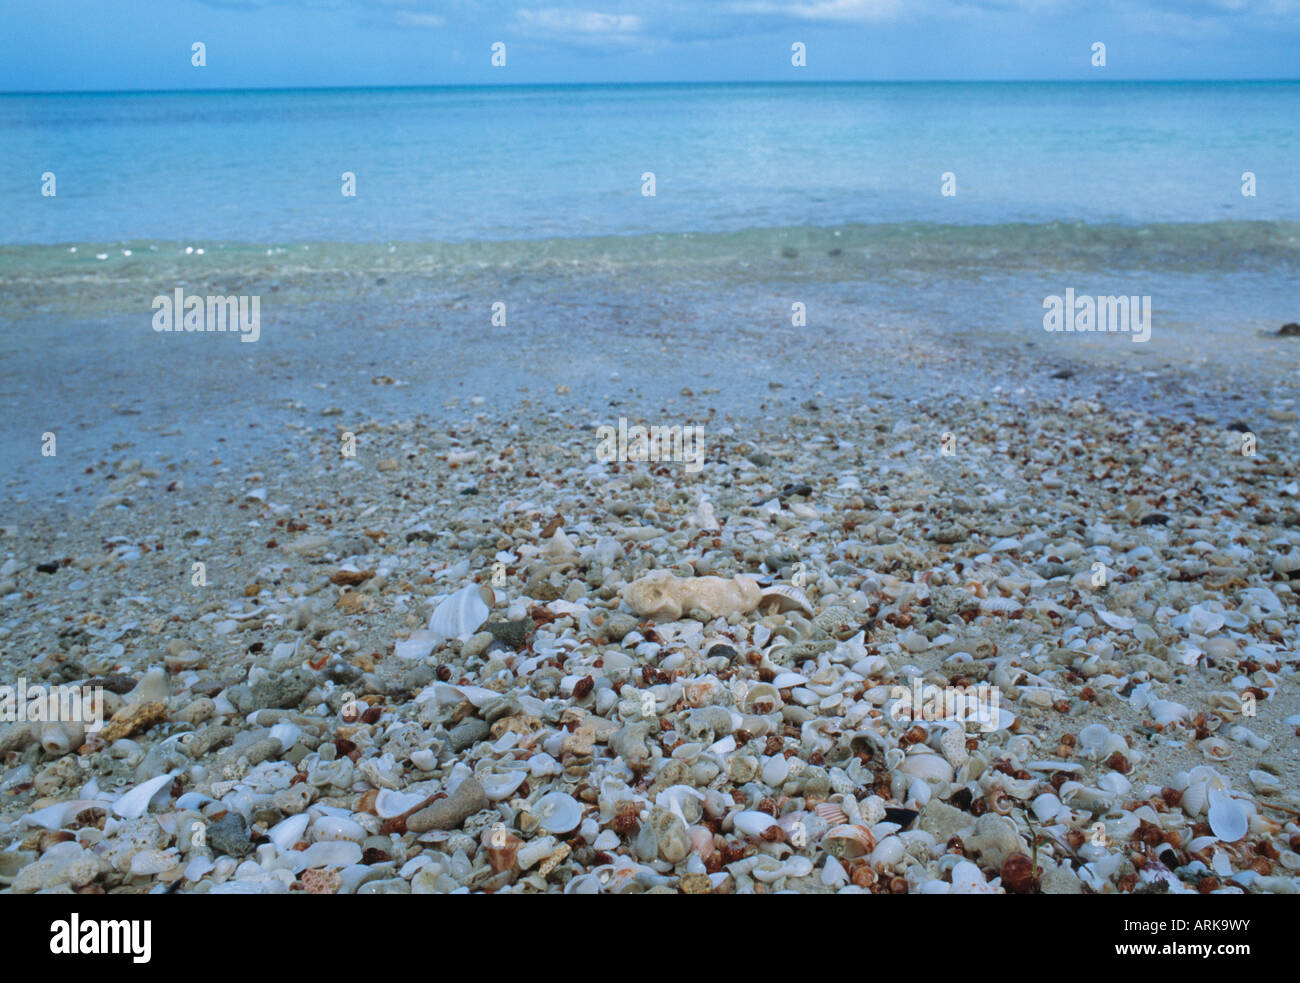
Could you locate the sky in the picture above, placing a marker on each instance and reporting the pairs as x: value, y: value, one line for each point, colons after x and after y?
x: 89, y: 45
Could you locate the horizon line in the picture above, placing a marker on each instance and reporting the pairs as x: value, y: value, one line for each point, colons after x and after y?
x: 640, y: 84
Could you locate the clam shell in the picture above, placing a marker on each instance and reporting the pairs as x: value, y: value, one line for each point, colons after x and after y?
x: 503, y: 785
x: 780, y: 598
x: 923, y: 762
x: 759, y: 696
x: 1228, y: 819
x: 135, y: 803
x: 831, y: 812
x: 460, y: 615
x: 390, y: 804
x: 557, y: 812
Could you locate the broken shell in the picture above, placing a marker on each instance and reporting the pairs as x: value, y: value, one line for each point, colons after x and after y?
x: 664, y: 597
x: 1215, y: 748
x: 752, y: 822
x: 831, y: 812
x: 502, y: 786
x: 761, y: 698
x: 849, y: 842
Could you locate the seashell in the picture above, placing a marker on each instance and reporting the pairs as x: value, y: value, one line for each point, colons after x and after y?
x: 60, y: 814
x: 287, y: 734
x: 834, y: 874
x: 502, y: 847
x: 670, y: 833
x: 664, y: 597
x: 888, y: 852
x: 775, y: 770
x: 849, y: 842
x: 752, y: 822
x: 502, y: 786
x: 1264, y: 781
x: 389, y: 804
x: 1204, y: 620
x: 922, y: 762
x: 152, y: 688
x: 831, y: 812
x: 789, y: 680
x: 59, y: 737
x: 460, y: 615
x: 701, y: 692
x: 287, y: 832
x: 1228, y: 819
x: 560, y: 549
x: 1046, y: 807
x: 557, y: 812
x: 135, y: 803
x: 761, y: 698
x: 1094, y: 739
x: 968, y: 879
x: 328, y: 829
x: 1166, y: 712
x: 1215, y: 748
x: 780, y: 598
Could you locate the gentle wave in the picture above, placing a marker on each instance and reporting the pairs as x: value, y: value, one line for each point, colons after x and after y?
x: 849, y: 252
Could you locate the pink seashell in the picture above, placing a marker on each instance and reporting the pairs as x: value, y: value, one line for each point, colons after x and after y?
x: 831, y: 812
x: 701, y: 841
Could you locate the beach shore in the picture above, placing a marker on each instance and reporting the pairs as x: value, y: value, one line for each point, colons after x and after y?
x: 1081, y: 526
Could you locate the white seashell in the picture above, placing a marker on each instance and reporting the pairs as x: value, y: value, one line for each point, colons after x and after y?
x: 923, y: 762
x: 752, y: 822
x: 328, y: 829
x: 1204, y: 620
x: 460, y: 615
x: 1265, y: 782
x: 326, y: 853
x: 1094, y: 739
x: 287, y: 734
x: 287, y: 832
x: 502, y: 786
x: 788, y: 680
x: 834, y: 874
x: 424, y: 759
x: 1116, y: 621
x: 60, y: 814
x: 968, y: 879
x: 557, y: 812
x: 389, y: 803
x: 888, y: 852
x: 152, y: 688
x: 1046, y: 807
x: 775, y: 770
x: 135, y: 803
x: 1165, y: 712
x: 1228, y: 820
x: 419, y: 645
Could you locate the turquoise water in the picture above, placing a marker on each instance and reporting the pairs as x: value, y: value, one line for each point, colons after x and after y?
x: 458, y: 165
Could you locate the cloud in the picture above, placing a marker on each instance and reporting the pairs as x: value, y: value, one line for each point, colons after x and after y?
x: 408, y: 18
x: 572, y: 25
x: 824, y: 10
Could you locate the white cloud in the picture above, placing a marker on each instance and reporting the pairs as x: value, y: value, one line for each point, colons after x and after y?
x: 580, y: 23
x: 826, y: 10
x: 408, y: 18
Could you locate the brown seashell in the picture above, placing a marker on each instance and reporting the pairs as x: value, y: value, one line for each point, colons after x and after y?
x: 367, y: 801
x: 849, y: 841
x: 1018, y: 875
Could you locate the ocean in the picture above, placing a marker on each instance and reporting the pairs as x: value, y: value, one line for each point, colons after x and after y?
x: 949, y: 209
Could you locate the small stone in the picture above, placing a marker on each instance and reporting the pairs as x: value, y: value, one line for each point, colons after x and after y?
x: 229, y: 835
